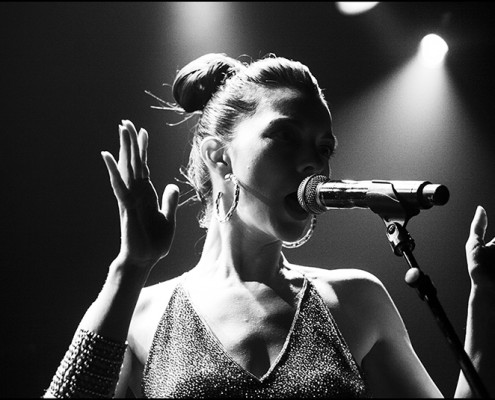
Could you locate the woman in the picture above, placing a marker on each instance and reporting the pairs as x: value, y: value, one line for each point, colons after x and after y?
x: 244, y: 322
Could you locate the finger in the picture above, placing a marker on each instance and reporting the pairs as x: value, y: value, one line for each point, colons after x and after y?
x: 122, y: 153
x: 118, y: 185
x: 143, y: 149
x: 170, y: 200
x: 479, y: 224
x: 124, y: 164
x: 135, y: 160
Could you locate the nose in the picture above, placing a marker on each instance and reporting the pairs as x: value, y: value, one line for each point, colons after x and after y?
x: 311, y: 162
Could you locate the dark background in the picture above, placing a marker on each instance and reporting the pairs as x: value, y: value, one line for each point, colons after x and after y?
x: 71, y: 71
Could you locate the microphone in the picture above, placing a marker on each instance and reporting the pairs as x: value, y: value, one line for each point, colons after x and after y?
x: 317, y: 194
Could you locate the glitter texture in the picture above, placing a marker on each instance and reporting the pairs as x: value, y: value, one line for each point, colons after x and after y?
x: 186, y: 360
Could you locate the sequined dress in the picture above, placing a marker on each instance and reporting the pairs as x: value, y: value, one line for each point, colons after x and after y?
x: 187, y: 360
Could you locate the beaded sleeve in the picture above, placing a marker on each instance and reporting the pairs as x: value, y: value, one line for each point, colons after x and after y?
x: 90, y: 367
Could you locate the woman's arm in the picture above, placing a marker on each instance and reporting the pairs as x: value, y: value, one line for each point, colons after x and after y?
x: 392, y: 366
x: 95, y: 357
x: 480, y: 325
x: 374, y: 331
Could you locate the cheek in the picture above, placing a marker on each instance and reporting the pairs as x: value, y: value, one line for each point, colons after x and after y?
x: 247, y: 163
x: 258, y: 182
x: 261, y: 169
x: 260, y: 172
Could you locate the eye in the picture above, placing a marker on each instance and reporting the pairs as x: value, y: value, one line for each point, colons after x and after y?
x: 326, y: 150
x: 285, y: 135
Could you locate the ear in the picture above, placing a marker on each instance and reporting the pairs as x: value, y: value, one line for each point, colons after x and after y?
x: 215, y: 156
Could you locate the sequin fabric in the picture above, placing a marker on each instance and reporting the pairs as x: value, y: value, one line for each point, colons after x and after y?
x: 186, y: 360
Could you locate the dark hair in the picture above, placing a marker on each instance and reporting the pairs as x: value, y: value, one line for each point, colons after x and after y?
x: 225, y: 90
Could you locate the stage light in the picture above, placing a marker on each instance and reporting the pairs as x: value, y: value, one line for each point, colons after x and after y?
x: 432, y: 50
x: 355, y: 7
x: 197, y: 26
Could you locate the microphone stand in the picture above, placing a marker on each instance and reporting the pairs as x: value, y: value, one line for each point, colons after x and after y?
x: 395, y: 213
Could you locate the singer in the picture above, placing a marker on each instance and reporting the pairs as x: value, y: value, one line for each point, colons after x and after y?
x: 244, y: 321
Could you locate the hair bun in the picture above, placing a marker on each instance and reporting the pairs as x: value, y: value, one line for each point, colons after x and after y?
x: 196, y: 83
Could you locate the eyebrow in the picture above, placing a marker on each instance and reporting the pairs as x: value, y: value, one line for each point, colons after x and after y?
x: 284, y: 120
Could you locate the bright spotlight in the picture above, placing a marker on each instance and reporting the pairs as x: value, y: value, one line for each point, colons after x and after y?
x: 355, y: 7
x: 432, y: 50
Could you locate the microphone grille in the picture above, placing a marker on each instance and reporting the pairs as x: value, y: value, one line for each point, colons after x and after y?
x: 307, y: 194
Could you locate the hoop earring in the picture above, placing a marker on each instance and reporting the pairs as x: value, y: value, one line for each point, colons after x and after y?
x: 228, y: 215
x: 305, y: 238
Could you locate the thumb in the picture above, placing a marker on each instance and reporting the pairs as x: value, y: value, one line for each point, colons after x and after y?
x: 170, y: 200
x: 479, y: 224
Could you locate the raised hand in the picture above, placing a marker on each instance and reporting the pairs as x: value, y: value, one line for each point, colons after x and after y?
x: 480, y: 255
x: 147, y: 230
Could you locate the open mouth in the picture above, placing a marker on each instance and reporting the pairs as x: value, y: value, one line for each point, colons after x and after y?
x: 293, y: 206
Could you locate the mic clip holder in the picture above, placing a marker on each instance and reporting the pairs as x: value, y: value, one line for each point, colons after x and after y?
x: 384, y: 201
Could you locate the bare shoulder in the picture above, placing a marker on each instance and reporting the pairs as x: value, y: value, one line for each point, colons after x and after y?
x: 348, y: 284
x: 149, y: 309
x: 155, y: 296
x: 336, y: 275
x: 352, y: 290
x: 359, y: 303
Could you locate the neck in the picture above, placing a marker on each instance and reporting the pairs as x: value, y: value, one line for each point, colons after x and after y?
x: 234, y: 252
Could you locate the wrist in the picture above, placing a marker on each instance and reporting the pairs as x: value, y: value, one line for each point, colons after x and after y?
x: 127, y: 259
x: 124, y: 272
x: 482, y: 303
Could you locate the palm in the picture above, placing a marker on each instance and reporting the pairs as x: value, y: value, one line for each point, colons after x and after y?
x: 480, y: 255
x: 147, y: 231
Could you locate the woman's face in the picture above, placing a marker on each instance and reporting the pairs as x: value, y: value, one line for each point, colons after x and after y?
x: 288, y: 138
